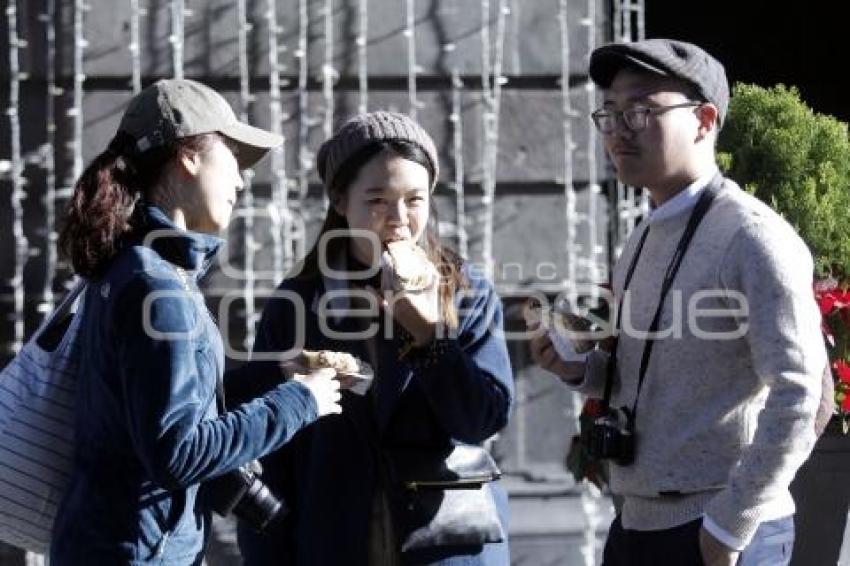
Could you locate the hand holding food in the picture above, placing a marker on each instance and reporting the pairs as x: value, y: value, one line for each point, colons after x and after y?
x: 352, y: 373
x: 568, y: 332
x: 413, y: 285
x: 407, y: 267
x: 324, y: 388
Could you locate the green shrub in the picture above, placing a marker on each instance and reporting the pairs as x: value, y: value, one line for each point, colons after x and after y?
x: 798, y: 162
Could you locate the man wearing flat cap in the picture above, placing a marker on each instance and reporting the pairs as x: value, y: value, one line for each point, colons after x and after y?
x: 716, y: 376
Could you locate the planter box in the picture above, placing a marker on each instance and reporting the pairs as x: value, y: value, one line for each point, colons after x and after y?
x: 821, y: 492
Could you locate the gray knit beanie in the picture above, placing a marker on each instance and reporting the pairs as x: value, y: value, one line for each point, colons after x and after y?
x: 370, y: 127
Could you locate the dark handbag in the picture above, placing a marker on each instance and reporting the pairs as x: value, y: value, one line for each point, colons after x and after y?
x: 437, y: 496
x: 443, y: 497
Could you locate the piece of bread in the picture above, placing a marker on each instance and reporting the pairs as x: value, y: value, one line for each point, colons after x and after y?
x: 342, y: 362
x: 561, y: 325
x: 410, y: 267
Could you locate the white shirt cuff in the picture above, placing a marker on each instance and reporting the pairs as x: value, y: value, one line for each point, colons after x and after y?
x: 731, y: 541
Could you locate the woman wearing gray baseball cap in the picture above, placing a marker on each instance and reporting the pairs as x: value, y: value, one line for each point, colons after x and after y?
x: 142, y: 228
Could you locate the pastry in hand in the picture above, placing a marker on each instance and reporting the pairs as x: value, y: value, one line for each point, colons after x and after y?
x: 342, y: 362
x: 354, y: 374
x: 408, y: 267
x: 563, y: 329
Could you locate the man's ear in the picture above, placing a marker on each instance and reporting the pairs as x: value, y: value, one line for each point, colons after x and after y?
x: 707, y: 115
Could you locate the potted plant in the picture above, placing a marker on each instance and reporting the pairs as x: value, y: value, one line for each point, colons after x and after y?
x: 798, y: 162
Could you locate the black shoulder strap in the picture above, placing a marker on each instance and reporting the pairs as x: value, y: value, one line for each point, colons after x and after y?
x: 700, y: 209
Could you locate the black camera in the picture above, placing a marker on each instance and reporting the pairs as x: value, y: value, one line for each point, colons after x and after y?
x: 611, y: 437
x: 242, y: 493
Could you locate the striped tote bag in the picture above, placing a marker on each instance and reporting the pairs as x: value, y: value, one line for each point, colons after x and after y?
x: 37, y: 396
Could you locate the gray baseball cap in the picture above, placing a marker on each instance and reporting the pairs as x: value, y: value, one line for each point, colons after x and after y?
x: 171, y: 109
x: 667, y: 57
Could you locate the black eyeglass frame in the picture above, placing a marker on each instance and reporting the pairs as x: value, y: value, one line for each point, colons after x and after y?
x: 635, y: 118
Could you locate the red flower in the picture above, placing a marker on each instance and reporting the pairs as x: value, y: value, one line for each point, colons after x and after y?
x: 826, y: 302
x: 842, y: 370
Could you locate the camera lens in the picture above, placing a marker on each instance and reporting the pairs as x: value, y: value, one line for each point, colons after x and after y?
x: 258, y: 506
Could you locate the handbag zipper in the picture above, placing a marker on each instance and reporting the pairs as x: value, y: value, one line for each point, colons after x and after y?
x: 453, y: 484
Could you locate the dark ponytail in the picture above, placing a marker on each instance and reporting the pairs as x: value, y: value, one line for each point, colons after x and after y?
x: 98, y: 214
x: 101, y: 211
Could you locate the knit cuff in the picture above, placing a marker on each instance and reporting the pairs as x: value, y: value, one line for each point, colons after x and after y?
x: 738, y: 524
x: 717, y: 532
x: 425, y: 357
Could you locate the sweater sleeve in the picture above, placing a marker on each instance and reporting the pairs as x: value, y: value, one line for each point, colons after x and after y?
x: 595, y: 372
x: 470, y: 386
x: 168, y: 388
x: 772, y: 268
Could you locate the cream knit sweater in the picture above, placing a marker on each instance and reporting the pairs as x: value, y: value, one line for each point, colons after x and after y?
x: 723, y: 424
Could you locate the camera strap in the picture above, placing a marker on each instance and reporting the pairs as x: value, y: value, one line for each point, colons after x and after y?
x: 697, y: 214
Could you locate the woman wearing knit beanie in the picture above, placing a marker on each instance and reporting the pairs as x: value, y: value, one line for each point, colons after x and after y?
x: 379, y: 285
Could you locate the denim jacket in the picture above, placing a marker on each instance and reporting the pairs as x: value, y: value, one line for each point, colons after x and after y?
x: 148, y: 426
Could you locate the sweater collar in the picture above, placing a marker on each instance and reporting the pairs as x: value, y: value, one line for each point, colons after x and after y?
x: 192, y: 251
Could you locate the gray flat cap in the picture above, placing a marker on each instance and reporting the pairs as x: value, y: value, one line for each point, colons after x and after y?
x: 667, y: 57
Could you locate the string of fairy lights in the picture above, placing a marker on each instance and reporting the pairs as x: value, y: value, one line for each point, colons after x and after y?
x: 48, y: 160
x: 177, y: 39
x: 289, y: 208
x: 410, y: 33
x: 632, y: 203
x: 362, y: 61
x: 277, y: 207
x: 456, y: 119
x: 492, y: 79
x: 287, y: 230
x: 329, y: 73
x: 16, y: 43
x: 250, y: 243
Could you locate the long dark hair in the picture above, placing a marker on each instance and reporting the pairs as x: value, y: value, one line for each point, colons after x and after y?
x: 448, y: 263
x: 100, y: 214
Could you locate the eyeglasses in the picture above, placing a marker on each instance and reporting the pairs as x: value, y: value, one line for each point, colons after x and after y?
x: 633, y: 118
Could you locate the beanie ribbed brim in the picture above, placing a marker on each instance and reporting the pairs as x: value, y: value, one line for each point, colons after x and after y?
x: 364, y: 129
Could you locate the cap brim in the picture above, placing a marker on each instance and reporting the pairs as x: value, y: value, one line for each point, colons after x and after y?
x: 253, y: 142
x: 607, y: 61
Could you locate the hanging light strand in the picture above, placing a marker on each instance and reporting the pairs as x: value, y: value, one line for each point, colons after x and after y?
x: 410, y: 22
x: 304, y: 158
x: 491, y: 83
x: 362, y: 63
x: 135, y: 47
x: 76, y: 111
x: 328, y: 71
x: 571, y: 218
x: 632, y: 203
x: 48, y: 160
x: 178, y: 12
x: 456, y: 119
x: 16, y: 43
x: 247, y: 200
x: 595, y: 271
x: 278, y: 204
x: 588, y: 497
